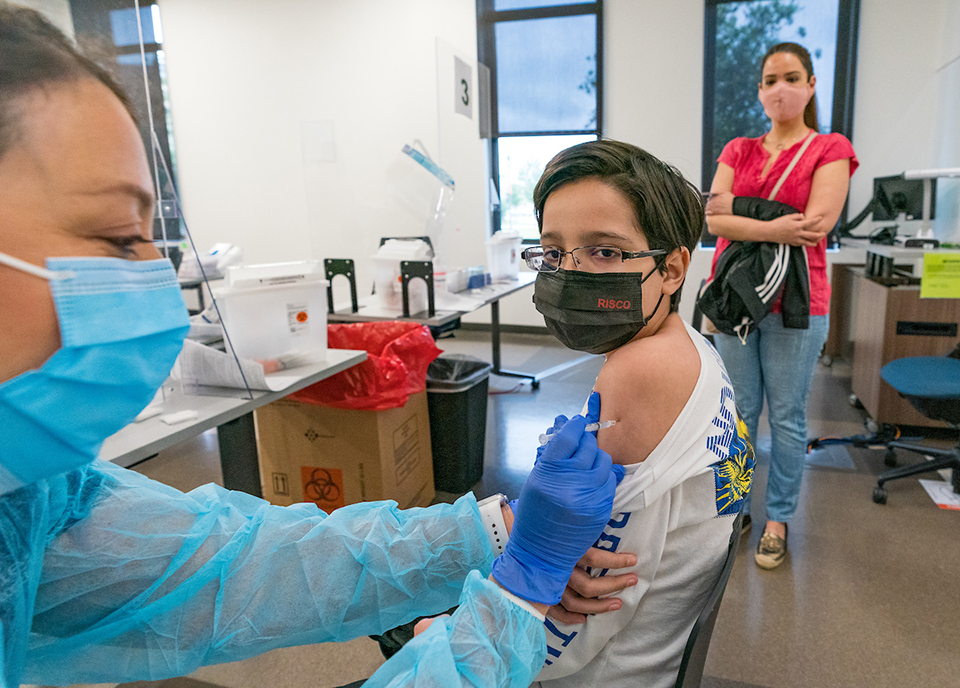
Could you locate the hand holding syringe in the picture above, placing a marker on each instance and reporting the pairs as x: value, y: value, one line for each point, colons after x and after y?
x: 592, y: 427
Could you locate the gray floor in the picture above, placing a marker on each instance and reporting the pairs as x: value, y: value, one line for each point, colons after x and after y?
x: 867, y: 596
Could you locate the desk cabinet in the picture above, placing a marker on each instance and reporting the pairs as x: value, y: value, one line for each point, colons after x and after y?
x: 844, y: 279
x: 928, y: 327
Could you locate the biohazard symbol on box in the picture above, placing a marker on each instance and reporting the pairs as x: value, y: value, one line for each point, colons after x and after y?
x: 323, y: 487
x: 302, y: 317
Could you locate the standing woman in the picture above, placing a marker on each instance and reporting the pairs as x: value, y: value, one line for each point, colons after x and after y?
x: 775, y: 361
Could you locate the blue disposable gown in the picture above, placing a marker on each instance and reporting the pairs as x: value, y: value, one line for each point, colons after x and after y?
x: 107, y: 576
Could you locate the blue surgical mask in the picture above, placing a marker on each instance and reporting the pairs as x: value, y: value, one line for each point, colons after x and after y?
x: 122, y: 325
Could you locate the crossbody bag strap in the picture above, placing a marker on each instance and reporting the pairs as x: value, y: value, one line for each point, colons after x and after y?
x: 793, y: 163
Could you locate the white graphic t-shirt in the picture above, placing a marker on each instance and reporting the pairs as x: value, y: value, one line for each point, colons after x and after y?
x: 675, y: 510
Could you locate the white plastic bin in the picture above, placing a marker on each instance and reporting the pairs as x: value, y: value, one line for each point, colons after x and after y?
x: 269, y: 310
x: 271, y: 274
x: 503, y: 255
x: 386, y: 264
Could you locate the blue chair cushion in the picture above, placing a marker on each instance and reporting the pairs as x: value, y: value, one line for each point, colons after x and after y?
x: 931, y: 377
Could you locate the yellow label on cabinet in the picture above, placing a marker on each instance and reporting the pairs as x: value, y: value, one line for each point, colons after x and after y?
x: 941, y: 276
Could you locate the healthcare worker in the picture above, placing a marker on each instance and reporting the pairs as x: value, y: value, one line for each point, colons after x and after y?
x: 106, y: 576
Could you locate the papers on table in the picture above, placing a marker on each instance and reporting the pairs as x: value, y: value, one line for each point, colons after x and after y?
x: 201, y: 366
x: 203, y: 332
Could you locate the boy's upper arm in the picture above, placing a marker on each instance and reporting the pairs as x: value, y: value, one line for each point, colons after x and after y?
x: 626, y: 392
x: 644, y: 392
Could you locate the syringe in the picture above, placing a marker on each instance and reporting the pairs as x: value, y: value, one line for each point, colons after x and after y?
x: 592, y: 427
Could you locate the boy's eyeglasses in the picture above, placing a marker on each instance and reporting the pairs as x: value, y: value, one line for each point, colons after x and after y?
x: 587, y: 258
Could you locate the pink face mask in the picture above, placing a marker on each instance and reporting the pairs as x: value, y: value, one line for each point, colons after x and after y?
x: 784, y: 101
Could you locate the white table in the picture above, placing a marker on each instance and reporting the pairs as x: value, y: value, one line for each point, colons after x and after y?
x: 881, y: 258
x: 231, y: 411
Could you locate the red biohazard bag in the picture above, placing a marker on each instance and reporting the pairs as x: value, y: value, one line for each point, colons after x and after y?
x: 398, y: 355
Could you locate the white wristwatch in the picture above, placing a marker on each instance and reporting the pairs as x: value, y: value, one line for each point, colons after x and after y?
x: 492, y: 517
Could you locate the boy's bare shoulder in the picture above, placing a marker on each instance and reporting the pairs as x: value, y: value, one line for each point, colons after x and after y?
x: 662, y: 359
x: 644, y: 386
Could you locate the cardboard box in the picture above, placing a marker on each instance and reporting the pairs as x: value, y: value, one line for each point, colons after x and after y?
x: 333, y: 457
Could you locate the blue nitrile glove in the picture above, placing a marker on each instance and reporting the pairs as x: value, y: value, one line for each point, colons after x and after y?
x: 564, y: 505
x: 593, y: 416
x: 558, y: 423
x: 593, y: 408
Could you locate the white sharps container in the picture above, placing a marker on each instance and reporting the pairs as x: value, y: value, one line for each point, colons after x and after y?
x: 503, y: 255
x: 273, y: 309
x: 386, y: 265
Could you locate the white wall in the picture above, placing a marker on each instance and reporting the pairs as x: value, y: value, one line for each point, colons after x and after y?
x: 653, y: 99
x: 908, y: 99
x: 907, y: 109
x: 289, y: 118
x: 245, y: 76
x: 57, y: 11
x: 654, y: 92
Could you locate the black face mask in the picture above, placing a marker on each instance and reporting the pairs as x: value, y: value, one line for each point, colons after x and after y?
x: 592, y: 312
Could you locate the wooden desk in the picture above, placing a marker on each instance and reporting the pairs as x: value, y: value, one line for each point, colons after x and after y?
x: 843, y: 279
x: 856, y: 258
x: 894, y: 322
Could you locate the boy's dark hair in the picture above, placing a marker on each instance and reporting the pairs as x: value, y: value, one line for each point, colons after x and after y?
x: 668, y: 208
x: 35, y: 54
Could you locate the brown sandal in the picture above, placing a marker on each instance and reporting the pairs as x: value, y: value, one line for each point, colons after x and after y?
x: 771, y: 550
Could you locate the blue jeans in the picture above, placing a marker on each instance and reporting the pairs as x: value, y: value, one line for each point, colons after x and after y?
x: 777, y: 362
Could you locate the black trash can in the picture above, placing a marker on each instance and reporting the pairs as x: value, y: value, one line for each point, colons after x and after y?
x: 457, y: 398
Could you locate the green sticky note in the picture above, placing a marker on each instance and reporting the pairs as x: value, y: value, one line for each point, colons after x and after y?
x: 941, y: 276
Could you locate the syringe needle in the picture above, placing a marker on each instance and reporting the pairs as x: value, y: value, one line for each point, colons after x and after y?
x: 592, y: 427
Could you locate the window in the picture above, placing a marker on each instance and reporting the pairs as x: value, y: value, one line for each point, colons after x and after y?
x: 739, y: 32
x: 108, y: 29
x: 545, y: 92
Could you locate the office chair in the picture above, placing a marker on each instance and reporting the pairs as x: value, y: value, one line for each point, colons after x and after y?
x: 932, y: 386
x: 695, y: 653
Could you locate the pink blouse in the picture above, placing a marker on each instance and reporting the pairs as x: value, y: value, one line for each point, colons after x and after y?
x: 748, y: 158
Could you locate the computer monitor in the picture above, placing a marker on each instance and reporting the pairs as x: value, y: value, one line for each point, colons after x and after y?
x: 895, y: 195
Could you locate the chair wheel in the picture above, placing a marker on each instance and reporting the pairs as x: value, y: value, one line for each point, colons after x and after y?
x: 872, y: 425
x: 879, y: 495
x: 890, y: 458
x: 535, y: 384
x: 854, y: 402
x: 826, y: 361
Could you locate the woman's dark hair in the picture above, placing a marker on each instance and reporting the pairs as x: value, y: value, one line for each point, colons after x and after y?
x: 810, y: 112
x: 35, y: 54
x: 668, y: 208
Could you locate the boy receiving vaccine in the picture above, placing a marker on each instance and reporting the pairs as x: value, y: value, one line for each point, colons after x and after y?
x: 617, y: 229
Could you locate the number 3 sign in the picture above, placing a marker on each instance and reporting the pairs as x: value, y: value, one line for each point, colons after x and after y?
x: 463, y: 88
